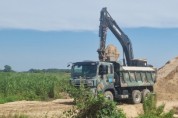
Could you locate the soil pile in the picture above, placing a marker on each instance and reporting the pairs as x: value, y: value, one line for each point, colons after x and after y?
x: 166, y: 86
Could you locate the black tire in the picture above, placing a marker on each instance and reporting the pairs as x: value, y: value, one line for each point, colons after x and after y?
x: 109, y: 95
x: 145, y: 94
x: 136, y: 96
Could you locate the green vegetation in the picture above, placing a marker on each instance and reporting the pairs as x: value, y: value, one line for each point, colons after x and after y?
x: 7, y: 68
x: 52, y: 70
x: 31, y: 86
x: 152, y: 111
x: 89, y: 106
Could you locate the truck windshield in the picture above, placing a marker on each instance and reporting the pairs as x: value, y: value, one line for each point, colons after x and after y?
x: 84, y: 70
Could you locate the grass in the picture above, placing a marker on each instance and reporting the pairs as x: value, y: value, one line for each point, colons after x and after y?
x: 31, y: 86
x: 151, y: 110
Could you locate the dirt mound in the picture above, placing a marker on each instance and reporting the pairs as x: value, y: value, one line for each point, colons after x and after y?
x: 167, y: 81
x: 169, y: 69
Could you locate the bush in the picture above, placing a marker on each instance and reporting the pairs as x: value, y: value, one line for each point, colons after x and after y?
x: 152, y: 111
x: 89, y: 106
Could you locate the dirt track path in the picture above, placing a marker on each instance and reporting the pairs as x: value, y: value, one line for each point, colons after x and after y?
x: 37, y: 109
x: 53, y: 109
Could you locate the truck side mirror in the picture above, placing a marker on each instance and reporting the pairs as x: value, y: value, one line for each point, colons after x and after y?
x: 69, y: 64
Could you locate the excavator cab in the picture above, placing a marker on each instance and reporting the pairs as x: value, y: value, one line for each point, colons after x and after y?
x: 139, y: 62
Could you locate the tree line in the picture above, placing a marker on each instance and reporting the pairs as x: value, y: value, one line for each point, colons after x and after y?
x: 8, y: 68
x: 54, y: 70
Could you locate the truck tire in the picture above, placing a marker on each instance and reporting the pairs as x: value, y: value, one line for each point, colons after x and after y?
x: 136, y: 96
x: 145, y: 93
x: 109, y: 95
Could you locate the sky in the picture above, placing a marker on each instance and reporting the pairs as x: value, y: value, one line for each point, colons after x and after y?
x: 45, y: 34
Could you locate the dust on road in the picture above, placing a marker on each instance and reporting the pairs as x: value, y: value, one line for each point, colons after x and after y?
x: 37, y: 109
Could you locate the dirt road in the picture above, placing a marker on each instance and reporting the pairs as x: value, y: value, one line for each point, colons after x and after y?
x: 54, y: 109
x: 37, y: 109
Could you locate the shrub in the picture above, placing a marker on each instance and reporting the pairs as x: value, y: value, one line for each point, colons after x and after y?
x: 90, y: 106
x: 152, y: 111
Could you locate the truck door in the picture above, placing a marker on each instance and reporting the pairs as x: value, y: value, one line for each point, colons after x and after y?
x: 107, y: 73
x: 110, y: 75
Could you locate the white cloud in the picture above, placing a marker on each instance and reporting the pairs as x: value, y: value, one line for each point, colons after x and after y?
x: 84, y: 15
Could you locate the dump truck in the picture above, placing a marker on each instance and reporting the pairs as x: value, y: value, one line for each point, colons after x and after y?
x: 133, y: 79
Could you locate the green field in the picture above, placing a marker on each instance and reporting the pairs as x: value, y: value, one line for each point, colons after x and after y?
x: 32, y: 86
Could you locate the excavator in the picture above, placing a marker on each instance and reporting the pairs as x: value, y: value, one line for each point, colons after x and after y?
x: 106, y: 21
x: 132, y: 80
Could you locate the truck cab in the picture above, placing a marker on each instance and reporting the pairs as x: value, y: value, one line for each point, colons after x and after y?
x: 92, y: 74
x: 115, y: 81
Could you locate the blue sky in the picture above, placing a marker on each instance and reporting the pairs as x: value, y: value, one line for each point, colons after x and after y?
x: 49, y: 34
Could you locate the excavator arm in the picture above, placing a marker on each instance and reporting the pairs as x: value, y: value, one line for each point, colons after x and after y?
x: 106, y: 21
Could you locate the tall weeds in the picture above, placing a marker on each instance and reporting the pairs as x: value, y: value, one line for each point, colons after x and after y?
x: 152, y: 111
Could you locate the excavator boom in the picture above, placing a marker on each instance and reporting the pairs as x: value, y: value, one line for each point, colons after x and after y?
x: 106, y: 21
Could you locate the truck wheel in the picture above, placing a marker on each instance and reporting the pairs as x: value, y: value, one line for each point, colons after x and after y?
x: 145, y: 94
x: 136, y: 96
x: 108, y: 95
